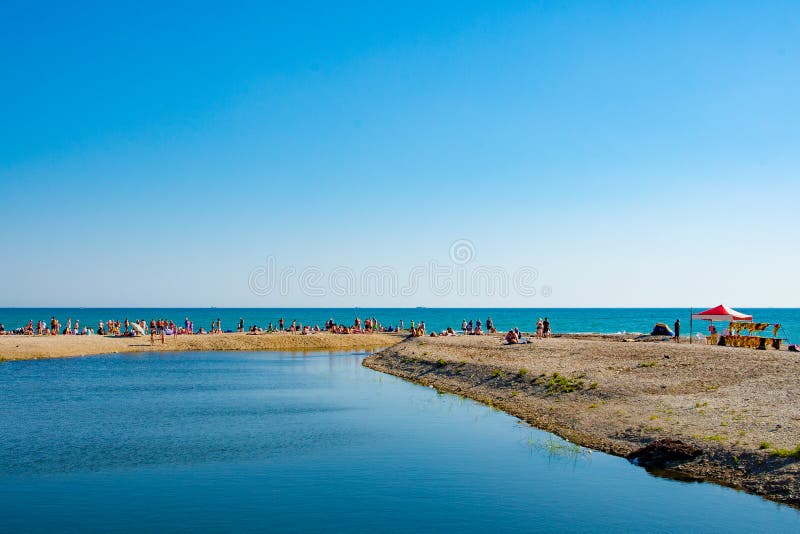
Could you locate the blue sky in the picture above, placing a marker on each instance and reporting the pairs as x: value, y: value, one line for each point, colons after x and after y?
x: 158, y: 155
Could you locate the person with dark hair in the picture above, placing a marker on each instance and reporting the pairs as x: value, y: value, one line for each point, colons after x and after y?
x: 677, y: 330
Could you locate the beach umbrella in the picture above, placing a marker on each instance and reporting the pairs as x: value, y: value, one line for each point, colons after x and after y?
x: 138, y: 328
x: 722, y: 313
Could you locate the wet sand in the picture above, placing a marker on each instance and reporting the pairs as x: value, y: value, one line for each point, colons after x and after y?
x: 35, y: 347
x: 738, y: 408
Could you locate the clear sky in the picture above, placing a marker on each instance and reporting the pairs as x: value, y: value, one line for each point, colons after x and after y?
x: 633, y: 153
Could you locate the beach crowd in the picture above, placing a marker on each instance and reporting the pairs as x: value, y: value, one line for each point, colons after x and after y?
x: 162, y: 328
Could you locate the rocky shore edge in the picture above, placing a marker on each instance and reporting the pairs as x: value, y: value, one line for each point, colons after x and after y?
x: 772, y: 477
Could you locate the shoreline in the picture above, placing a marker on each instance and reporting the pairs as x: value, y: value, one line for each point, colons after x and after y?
x: 729, y: 412
x: 15, y: 348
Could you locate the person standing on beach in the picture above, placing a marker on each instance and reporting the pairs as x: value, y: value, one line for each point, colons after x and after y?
x: 280, y: 324
x: 241, y: 324
x: 677, y: 330
x: 546, y: 325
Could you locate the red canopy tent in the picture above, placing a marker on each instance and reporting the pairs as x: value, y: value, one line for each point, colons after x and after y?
x: 722, y: 313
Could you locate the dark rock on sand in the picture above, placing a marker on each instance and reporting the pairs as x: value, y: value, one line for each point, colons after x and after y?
x: 664, y: 453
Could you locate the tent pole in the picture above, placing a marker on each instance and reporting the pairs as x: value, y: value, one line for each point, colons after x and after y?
x: 691, y: 312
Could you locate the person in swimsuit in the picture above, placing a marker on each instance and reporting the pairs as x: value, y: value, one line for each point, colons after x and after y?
x: 512, y: 338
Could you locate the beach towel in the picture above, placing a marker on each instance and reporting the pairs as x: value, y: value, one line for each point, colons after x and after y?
x: 523, y: 341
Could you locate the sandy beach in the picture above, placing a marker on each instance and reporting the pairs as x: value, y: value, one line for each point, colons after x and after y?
x: 35, y: 347
x: 733, y: 410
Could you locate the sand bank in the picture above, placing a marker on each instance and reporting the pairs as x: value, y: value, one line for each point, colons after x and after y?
x: 34, y: 347
x: 738, y: 410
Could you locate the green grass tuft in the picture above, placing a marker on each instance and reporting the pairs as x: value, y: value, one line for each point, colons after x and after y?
x: 787, y: 453
x: 558, y: 384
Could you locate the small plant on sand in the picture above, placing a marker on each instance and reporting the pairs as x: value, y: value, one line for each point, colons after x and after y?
x: 515, y: 393
x: 558, y: 384
x: 425, y: 353
x: 653, y: 417
x: 648, y: 364
x: 787, y: 453
x: 764, y: 445
x: 440, y: 363
x: 496, y: 373
x: 715, y: 437
x: 593, y: 385
x: 522, y: 372
x: 593, y: 405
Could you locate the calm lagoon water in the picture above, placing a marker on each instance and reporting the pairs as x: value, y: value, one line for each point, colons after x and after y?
x: 276, y: 441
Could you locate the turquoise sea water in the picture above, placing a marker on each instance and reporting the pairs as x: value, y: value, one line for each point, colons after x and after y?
x: 281, y: 442
x: 601, y: 320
